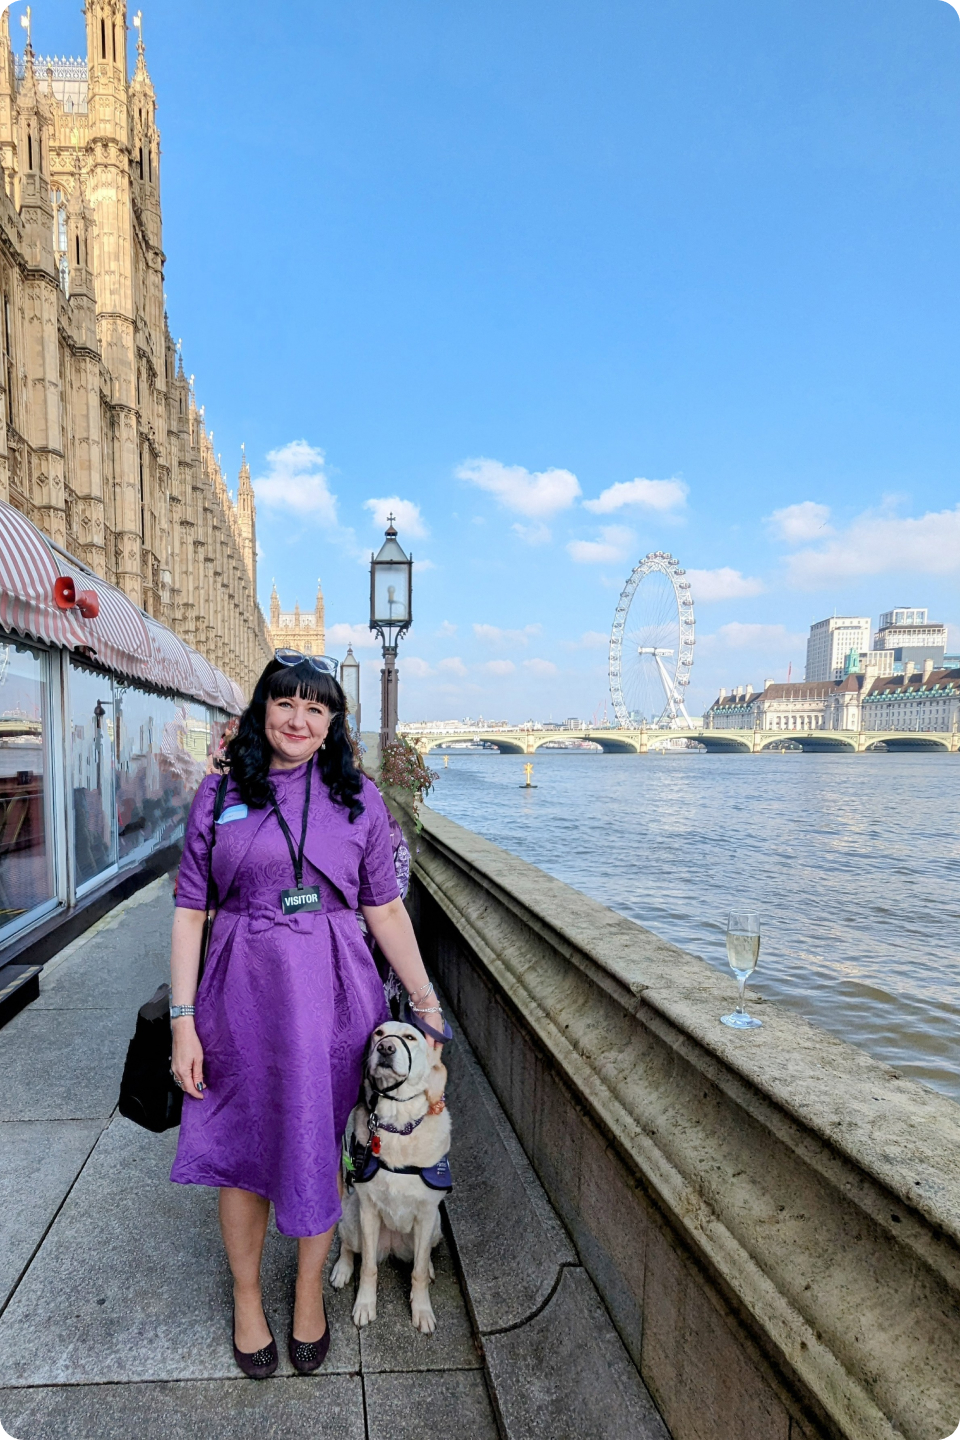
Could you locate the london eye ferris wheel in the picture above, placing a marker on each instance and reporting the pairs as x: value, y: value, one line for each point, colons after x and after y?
x: 651, y: 645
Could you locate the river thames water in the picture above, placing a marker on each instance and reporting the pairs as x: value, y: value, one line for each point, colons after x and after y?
x: 853, y: 860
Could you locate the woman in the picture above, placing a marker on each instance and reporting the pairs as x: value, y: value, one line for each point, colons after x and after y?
x: 270, y: 1060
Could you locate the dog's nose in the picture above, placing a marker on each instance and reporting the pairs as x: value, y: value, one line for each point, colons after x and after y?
x: 386, y: 1048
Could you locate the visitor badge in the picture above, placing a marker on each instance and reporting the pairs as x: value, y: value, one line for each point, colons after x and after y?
x: 233, y: 812
x: 293, y: 901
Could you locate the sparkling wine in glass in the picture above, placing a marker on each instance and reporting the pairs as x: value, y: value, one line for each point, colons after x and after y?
x: 743, y: 951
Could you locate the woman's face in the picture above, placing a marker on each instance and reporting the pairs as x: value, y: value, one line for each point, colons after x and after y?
x: 295, y: 730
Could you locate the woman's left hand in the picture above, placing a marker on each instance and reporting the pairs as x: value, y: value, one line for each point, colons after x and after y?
x: 436, y: 1022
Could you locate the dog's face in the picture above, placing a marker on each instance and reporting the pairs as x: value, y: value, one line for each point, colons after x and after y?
x: 399, y: 1052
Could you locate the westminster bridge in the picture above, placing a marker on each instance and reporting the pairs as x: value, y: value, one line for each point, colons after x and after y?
x: 643, y: 741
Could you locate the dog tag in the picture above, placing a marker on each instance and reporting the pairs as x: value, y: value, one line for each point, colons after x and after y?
x: 375, y: 1144
x: 293, y: 901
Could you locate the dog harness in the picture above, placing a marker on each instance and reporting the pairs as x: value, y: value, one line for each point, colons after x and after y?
x: 365, y: 1164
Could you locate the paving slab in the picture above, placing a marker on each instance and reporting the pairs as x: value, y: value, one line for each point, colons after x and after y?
x: 566, y: 1373
x: 62, y: 1065
x: 414, y: 1406
x: 319, y: 1408
x: 391, y: 1342
x: 130, y: 962
x: 39, y: 1161
x: 132, y: 1284
x: 510, y: 1243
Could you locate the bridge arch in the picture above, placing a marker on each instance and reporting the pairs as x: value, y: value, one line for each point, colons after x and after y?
x: 716, y: 743
x: 911, y: 742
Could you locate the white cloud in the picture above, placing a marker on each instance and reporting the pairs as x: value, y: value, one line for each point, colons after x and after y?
x: 540, y: 667
x: 878, y: 543
x: 446, y: 629
x: 493, y: 635
x: 356, y: 635
x: 723, y: 584
x: 406, y: 513
x: 589, y: 640
x: 651, y: 494
x: 613, y: 547
x: 737, y: 636
x: 538, y: 534
x: 499, y: 667
x: 453, y: 665
x: 414, y: 667
x: 296, y: 480
x: 796, y: 523
x: 536, y: 494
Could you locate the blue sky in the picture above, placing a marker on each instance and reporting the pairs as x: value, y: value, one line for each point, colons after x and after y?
x: 499, y: 260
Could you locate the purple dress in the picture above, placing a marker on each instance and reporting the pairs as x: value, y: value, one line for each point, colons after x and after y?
x: 286, y: 1003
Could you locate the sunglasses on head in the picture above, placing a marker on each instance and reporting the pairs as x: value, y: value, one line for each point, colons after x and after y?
x: 323, y: 664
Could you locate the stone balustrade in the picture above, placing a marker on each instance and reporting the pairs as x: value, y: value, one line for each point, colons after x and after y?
x: 771, y: 1217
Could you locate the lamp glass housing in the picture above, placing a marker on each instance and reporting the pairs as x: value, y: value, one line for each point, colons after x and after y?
x: 350, y: 681
x: 391, y: 583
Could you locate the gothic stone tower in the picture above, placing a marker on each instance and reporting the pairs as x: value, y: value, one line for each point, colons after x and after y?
x: 289, y: 630
x: 104, y: 446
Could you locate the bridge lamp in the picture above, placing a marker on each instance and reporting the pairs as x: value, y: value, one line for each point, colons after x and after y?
x: 391, y: 595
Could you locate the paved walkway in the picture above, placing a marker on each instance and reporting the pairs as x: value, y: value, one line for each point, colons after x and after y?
x: 115, y: 1295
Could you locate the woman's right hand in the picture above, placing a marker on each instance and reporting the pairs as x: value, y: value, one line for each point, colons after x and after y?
x: 187, y: 1059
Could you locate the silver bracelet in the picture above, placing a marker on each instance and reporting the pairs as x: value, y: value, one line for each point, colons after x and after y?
x: 426, y: 1009
x: 422, y: 991
x: 177, y: 1010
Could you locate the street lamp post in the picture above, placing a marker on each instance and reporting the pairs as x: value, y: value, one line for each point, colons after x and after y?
x: 391, y: 595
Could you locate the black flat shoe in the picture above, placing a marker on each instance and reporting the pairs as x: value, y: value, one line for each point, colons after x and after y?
x: 260, y: 1364
x: 308, y: 1355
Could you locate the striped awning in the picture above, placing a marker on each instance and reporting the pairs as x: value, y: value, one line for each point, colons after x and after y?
x: 28, y: 573
x: 172, y: 658
x: 121, y: 638
x: 206, y: 679
x: 118, y: 636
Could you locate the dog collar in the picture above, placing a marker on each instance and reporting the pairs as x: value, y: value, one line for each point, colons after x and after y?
x: 375, y: 1123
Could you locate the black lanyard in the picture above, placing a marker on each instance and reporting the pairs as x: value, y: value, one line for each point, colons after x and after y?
x: 297, y: 855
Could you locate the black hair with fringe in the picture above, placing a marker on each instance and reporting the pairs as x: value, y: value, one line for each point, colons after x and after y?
x: 249, y: 753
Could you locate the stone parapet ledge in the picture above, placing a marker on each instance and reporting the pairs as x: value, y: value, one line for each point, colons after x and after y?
x: 772, y: 1217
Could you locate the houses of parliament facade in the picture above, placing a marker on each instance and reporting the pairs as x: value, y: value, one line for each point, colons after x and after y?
x: 102, y: 443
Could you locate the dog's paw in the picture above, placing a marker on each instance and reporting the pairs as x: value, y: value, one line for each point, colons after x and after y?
x: 342, y: 1272
x: 365, y: 1309
x: 421, y: 1313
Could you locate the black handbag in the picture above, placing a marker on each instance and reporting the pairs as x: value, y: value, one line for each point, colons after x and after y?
x: 149, y: 1095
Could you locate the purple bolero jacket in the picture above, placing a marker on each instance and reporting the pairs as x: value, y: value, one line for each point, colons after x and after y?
x: 356, y: 859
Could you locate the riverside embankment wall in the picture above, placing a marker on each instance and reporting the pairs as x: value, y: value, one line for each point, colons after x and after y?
x: 772, y: 1217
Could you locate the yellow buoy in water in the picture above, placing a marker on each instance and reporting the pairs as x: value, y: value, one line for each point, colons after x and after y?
x: 528, y: 771
x: 446, y: 761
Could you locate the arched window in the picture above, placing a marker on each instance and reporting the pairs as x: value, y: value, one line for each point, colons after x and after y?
x: 29, y: 151
x: 103, y: 39
x: 140, y: 162
x: 78, y: 249
x: 114, y: 29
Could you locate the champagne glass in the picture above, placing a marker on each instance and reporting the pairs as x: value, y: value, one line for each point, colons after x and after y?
x: 743, y: 951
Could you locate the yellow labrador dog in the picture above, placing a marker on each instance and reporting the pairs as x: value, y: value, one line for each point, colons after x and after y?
x: 397, y: 1169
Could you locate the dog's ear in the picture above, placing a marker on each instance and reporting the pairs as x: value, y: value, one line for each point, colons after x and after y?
x: 437, y: 1079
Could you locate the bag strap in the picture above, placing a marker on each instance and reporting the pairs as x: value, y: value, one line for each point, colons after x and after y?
x: 213, y: 899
